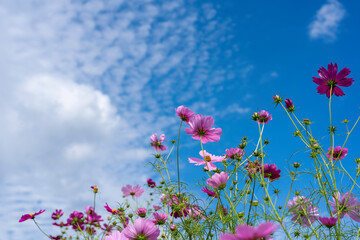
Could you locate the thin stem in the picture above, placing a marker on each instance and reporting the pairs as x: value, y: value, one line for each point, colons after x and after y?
x: 177, y: 157
x: 40, y: 228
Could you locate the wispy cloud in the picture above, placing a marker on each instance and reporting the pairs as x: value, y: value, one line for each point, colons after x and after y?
x: 84, y: 84
x: 327, y: 20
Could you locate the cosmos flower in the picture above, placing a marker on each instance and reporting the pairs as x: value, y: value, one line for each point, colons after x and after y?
x: 151, y: 183
x: 348, y: 206
x: 76, y: 220
x: 277, y: 99
x: 328, y: 221
x: 303, y: 211
x: 160, y: 218
x: 209, y: 192
x: 179, y: 207
x: 234, y: 153
x: 142, y: 229
x: 184, y: 113
x: 115, y: 236
x: 200, y: 128
x: 57, y: 214
x: 218, y: 180
x: 338, y: 153
x: 134, y: 191
x: 113, y: 211
x: 330, y: 79
x: 141, y: 212
x: 30, y: 216
x: 207, y: 161
x: 156, y: 207
x: 271, y: 172
x: 157, y: 143
x: 246, y: 232
x: 264, y: 117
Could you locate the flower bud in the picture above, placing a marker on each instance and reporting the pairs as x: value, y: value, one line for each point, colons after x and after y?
x: 296, y: 165
x: 172, y: 227
x: 277, y: 99
x: 289, y: 105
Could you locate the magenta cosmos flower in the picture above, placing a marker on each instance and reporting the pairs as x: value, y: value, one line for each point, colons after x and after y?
x: 218, y: 180
x: 151, y: 183
x: 330, y: 79
x: 134, y: 191
x: 328, y: 221
x: 338, y: 153
x: 303, y: 211
x: 157, y: 143
x: 76, y: 220
x: 271, y: 172
x: 207, y: 161
x: 30, y: 216
x: 209, y: 192
x: 57, y: 214
x: 200, y: 128
x: 245, y: 232
x: 142, y: 229
x: 95, y: 188
x: 113, y: 211
x: 348, y: 206
x: 234, y: 153
x: 184, y: 113
x: 156, y: 207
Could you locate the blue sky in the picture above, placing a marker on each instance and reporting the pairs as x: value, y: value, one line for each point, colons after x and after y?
x: 85, y: 83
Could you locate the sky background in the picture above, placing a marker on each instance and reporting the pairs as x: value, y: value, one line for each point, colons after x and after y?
x: 85, y: 83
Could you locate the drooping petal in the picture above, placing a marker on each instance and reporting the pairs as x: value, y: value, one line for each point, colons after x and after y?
x: 338, y: 91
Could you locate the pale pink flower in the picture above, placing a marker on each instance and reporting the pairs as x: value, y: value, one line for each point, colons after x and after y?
x: 134, y: 191
x: 157, y: 143
x: 218, y: 180
x: 207, y: 161
x: 348, y: 206
x: 246, y: 232
x: 184, y: 113
x: 142, y: 229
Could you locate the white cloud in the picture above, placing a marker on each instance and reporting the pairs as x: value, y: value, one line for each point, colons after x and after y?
x: 83, y: 85
x: 327, y: 20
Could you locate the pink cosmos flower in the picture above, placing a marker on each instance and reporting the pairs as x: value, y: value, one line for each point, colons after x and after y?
x: 234, y: 153
x: 184, y: 113
x: 303, y: 211
x: 207, y: 161
x: 271, y: 172
x: 57, y: 214
x: 142, y: 229
x: 245, y: 232
x: 200, y: 128
x: 113, y: 211
x: 348, y: 206
x: 196, y: 213
x: 331, y: 79
x: 264, y: 117
x: 157, y: 143
x: 30, y: 216
x: 160, y: 218
x: 218, y: 180
x: 209, y: 193
x: 141, y: 212
x: 328, y: 221
x: 115, y: 236
x: 61, y: 224
x: 179, y: 207
x: 338, y: 153
x: 156, y: 207
x: 76, y: 220
x: 151, y: 183
x: 134, y: 191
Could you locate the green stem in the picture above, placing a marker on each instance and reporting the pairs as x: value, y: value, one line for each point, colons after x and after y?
x: 177, y: 157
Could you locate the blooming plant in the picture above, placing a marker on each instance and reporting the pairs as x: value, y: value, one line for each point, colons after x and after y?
x: 237, y: 195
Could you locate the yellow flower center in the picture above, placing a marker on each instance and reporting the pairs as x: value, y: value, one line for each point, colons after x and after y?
x: 207, y: 158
